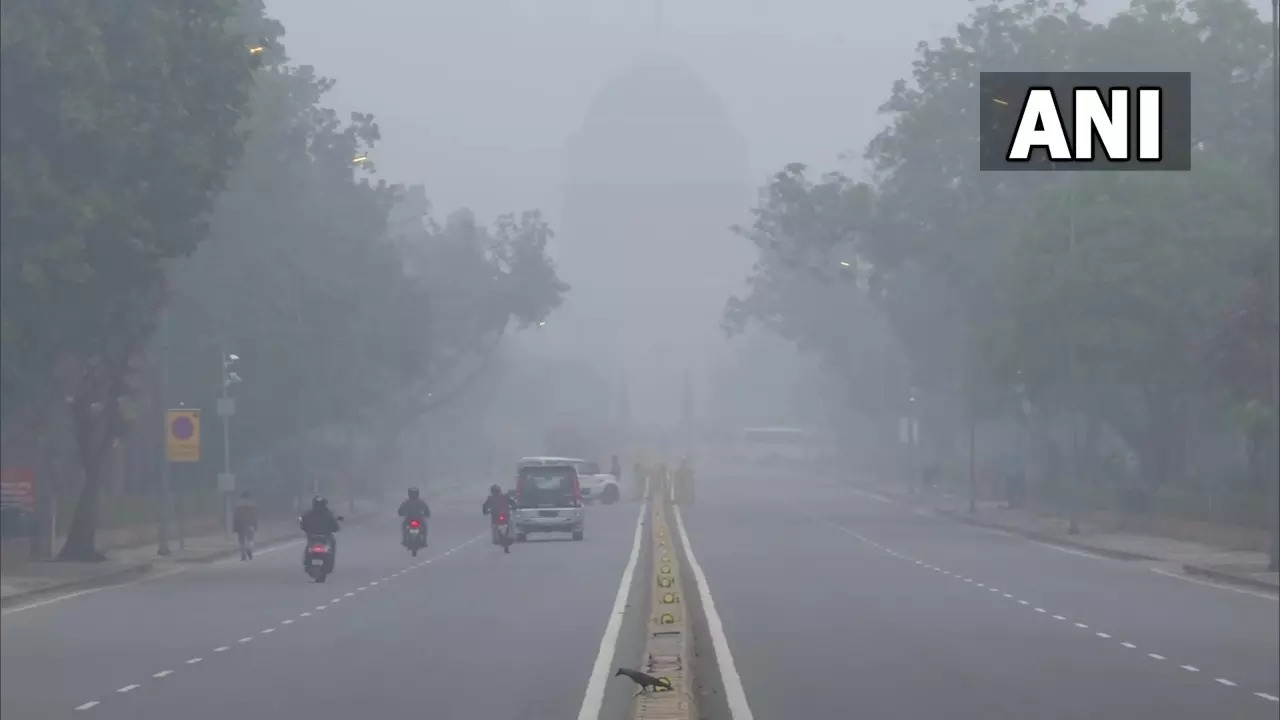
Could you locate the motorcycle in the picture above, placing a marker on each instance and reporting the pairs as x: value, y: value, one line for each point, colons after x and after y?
x: 502, y: 532
x: 415, y: 537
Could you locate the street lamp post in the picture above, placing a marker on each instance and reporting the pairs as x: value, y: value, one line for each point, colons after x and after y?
x: 227, y: 408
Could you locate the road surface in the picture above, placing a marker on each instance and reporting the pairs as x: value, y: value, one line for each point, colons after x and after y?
x: 462, y: 631
x: 834, y: 605
x: 839, y: 604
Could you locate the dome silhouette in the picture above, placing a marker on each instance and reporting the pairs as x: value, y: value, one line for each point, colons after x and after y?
x: 657, y: 119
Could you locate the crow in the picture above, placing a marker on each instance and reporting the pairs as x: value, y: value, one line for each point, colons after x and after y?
x: 644, y: 681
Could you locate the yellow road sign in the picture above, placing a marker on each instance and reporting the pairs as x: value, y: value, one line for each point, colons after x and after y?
x: 182, y: 435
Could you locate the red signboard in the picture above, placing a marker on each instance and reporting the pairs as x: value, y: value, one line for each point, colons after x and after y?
x: 18, y: 487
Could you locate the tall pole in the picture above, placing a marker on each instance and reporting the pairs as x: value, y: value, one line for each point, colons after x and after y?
x: 1274, y: 563
x: 225, y: 412
x: 1073, y: 511
x: 166, y: 492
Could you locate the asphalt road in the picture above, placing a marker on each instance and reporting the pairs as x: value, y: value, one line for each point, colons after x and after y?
x: 462, y: 631
x: 837, y: 605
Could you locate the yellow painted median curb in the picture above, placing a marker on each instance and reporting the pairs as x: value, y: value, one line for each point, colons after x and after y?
x: 668, y: 645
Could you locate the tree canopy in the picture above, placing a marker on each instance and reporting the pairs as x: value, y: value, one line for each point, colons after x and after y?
x: 169, y: 167
x: 1101, y: 294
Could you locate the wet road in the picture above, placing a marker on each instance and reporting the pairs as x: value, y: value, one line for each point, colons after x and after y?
x: 836, y: 604
x: 462, y: 631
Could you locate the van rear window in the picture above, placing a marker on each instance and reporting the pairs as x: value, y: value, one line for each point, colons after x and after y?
x: 546, y: 486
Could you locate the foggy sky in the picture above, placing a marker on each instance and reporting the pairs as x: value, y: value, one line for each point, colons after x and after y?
x: 477, y: 100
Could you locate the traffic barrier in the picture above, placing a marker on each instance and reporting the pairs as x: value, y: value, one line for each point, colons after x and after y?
x: 669, y: 642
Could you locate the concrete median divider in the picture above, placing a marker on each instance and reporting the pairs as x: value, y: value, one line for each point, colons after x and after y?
x: 669, y: 638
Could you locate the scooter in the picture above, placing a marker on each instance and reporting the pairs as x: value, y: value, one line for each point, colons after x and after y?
x: 415, y: 537
x: 319, y: 557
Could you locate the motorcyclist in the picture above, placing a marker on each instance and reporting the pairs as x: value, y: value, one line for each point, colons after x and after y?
x: 320, y: 520
x: 414, y: 508
x: 496, y: 506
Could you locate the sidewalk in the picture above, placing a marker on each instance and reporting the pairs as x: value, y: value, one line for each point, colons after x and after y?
x: 45, y: 577
x: 1237, y: 567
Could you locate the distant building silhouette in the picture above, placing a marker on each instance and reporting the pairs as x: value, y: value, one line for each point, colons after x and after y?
x: 656, y: 175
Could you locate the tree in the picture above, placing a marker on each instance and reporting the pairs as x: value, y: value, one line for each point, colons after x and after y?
x: 120, y: 122
x: 935, y: 248
x: 806, y: 285
x: 349, y: 307
x: 1115, y: 315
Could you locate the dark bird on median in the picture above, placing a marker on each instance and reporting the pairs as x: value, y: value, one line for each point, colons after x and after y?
x: 644, y: 681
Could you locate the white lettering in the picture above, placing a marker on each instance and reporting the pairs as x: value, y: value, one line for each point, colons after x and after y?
x: 1112, y: 127
x: 1040, y: 126
x: 1149, y: 111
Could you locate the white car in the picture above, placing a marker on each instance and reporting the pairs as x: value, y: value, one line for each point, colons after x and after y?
x: 596, y: 486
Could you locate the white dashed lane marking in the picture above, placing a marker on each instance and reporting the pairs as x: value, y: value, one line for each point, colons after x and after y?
x: 1105, y: 636
x: 266, y: 631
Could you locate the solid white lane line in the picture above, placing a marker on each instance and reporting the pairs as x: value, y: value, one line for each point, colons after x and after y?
x: 735, y: 695
x: 593, y: 698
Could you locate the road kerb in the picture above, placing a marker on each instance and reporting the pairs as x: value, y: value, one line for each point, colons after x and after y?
x: 1229, y: 578
x: 114, y: 577
x: 669, y: 639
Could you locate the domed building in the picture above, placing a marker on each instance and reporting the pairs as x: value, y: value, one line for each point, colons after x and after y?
x: 656, y: 176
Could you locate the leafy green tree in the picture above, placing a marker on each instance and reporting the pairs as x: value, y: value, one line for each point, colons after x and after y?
x: 120, y: 121
x: 1115, y: 314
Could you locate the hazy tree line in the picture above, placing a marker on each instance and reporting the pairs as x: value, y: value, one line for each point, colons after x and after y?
x: 1104, y: 315
x: 175, y: 189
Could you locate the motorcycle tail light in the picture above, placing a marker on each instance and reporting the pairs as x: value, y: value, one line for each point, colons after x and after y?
x: 317, y: 548
x: 502, y: 518
x: 413, y: 523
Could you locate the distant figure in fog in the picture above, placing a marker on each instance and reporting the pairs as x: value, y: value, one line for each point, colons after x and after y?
x: 615, y: 469
x: 245, y: 523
